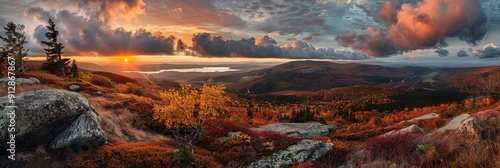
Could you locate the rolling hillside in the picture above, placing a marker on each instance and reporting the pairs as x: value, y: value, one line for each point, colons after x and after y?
x: 316, y: 75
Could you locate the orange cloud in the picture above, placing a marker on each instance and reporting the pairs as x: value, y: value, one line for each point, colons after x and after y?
x: 433, y: 20
x: 425, y: 25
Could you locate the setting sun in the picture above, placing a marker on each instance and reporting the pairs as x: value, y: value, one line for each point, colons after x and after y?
x: 125, y: 60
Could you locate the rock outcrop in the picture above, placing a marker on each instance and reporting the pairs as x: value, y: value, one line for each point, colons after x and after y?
x: 464, y: 123
x: 471, y: 126
x: 410, y: 129
x: 19, y: 81
x: 74, y: 87
x: 424, y: 117
x: 306, y: 130
x: 454, y: 124
x: 57, y: 118
x: 304, y: 151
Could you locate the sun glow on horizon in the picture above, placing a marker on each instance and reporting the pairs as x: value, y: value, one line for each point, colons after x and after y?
x: 125, y: 60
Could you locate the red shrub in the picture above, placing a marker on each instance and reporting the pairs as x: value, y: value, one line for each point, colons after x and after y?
x: 279, y: 141
x: 393, y: 147
x: 126, y: 154
x: 303, y: 165
x: 243, y: 149
x: 487, y: 114
x: 337, y: 156
x: 217, y: 128
x: 43, y: 76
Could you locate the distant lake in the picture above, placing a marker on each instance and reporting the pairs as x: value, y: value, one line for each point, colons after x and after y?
x: 200, y: 70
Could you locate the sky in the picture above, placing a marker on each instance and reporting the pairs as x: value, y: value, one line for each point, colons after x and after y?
x: 412, y: 30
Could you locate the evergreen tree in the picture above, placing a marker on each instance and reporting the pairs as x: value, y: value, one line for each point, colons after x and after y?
x: 74, y: 69
x: 54, y: 49
x: 15, y: 39
x: 55, y: 63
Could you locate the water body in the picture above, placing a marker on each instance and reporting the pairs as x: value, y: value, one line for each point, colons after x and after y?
x: 199, y: 70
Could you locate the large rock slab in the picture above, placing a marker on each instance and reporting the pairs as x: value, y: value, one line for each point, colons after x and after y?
x: 304, y: 151
x: 464, y: 123
x: 471, y: 126
x: 414, y: 129
x: 51, y: 116
x: 454, y: 124
x: 306, y: 130
x: 84, y: 131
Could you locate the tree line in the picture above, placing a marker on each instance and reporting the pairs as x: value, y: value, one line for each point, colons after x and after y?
x: 15, y: 40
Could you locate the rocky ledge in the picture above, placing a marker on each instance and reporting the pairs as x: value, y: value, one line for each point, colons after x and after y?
x: 306, y: 130
x: 56, y: 118
x: 304, y: 151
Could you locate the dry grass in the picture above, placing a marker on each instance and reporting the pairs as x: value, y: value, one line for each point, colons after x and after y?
x: 117, y: 123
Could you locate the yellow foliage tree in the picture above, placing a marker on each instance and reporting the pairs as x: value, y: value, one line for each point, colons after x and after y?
x: 189, y: 108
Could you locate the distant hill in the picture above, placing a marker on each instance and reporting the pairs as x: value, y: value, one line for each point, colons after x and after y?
x: 316, y: 75
x: 473, y: 79
x: 115, y: 77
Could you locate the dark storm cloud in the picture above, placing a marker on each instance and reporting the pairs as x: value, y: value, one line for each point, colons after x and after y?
x: 425, y: 25
x: 39, y: 34
x: 462, y: 53
x: 264, y: 47
x: 442, y: 52
x: 83, y: 35
x: 372, y: 43
x: 488, y: 51
x: 41, y: 13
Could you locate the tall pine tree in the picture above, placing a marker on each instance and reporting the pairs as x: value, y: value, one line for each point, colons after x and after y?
x: 54, y: 49
x: 15, y: 39
x: 55, y: 63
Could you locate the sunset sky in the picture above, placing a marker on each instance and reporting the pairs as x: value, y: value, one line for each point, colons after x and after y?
x: 307, y: 29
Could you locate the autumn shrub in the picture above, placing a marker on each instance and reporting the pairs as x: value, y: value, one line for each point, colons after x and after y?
x: 99, y: 80
x: 432, y: 124
x: 337, y: 156
x: 303, y: 165
x: 217, y: 128
x: 279, y: 141
x: 143, y: 109
x: 188, y: 109
x: 245, y: 146
x: 205, y: 159
x: 264, y: 117
x: 396, y: 147
x: 135, y: 89
x: 43, y: 76
x: 236, y: 152
x: 127, y: 154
